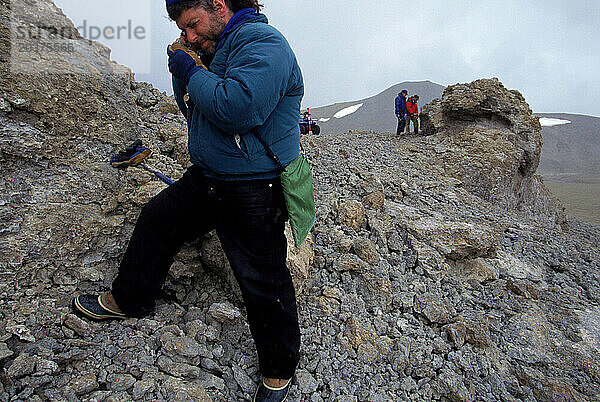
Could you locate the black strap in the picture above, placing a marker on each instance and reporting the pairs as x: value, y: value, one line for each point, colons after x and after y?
x: 269, y: 150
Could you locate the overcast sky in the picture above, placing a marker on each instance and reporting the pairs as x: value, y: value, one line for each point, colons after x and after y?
x: 348, y: 50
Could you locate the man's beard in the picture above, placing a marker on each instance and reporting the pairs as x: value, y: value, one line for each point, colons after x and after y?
x: 217, y: 26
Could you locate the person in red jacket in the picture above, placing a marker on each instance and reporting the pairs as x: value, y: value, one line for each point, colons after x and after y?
x: 412, y: 113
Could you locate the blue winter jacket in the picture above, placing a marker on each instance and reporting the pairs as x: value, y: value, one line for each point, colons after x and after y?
x: 254, y: 86
x: 400, y: 105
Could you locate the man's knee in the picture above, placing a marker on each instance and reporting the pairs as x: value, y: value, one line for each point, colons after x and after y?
x: 152, y: 209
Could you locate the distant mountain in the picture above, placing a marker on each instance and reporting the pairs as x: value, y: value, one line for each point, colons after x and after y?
x: 376, y: 112
x: 571, y: 152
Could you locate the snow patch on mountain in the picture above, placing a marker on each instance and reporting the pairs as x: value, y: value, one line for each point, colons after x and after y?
x: 548, y: 122
x: 347, y: 111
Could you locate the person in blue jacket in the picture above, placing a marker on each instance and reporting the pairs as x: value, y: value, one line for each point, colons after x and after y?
x: 245, y: 84
x: 401, y: 111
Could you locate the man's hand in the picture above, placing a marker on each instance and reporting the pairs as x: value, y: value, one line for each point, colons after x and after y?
x: 183, y: 62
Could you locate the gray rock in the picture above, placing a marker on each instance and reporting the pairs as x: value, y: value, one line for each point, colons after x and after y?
x: 434, y: 308
x: 22, y: 366
x: 223, y: 312
x: 83, y: 384
x: 306, y: 382
x: 77, y: 324
x: 181, y: 370
x: 46, y: 367
x: 143, y: 387
x: 346, y: 398
x: 5, y: 106
x: 452, y: 387
x: 366, y: 250
x: 182, y: 346
x: 121, y: 382
x: 5, y: 351
x: 180, y: 390
x: 349, y: 262
x: 409, y: 385
x: 243, y: 380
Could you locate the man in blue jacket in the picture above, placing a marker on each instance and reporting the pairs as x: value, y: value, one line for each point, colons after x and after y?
x: 252, y: 88
x: 401, y: 111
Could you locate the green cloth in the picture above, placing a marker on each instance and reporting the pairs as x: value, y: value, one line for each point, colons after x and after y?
x: 296, y: 181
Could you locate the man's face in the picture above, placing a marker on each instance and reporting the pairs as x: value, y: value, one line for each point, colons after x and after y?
x: 202, y: 28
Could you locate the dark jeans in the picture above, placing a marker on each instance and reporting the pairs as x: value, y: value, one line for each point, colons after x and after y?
x: 249, y: 218
x: 401, y: 125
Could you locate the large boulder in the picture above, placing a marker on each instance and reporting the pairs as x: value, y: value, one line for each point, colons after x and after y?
x: 487, y: 137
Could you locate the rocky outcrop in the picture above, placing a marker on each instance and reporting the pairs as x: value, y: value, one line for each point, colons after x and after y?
x: 487, y: 137
x: 428, y: 280
x: 467, y: 300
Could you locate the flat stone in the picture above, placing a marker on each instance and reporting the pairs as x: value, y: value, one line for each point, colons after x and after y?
x: 182, y: 370
x: 21, y: 331
x: 81, y: 327
x: 212, y: 381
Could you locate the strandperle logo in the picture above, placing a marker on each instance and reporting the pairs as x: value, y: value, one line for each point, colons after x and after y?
x: 87, y: 31
x: 126, y: 31
x: 121, y: 25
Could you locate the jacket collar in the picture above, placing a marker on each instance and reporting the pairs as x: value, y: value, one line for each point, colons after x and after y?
x: 238, y: 19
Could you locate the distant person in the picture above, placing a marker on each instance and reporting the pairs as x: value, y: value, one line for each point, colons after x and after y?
x: 412, y: 111
x: 401, y: 111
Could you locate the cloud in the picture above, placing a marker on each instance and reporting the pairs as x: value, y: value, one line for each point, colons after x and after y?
x: 348, y: 50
